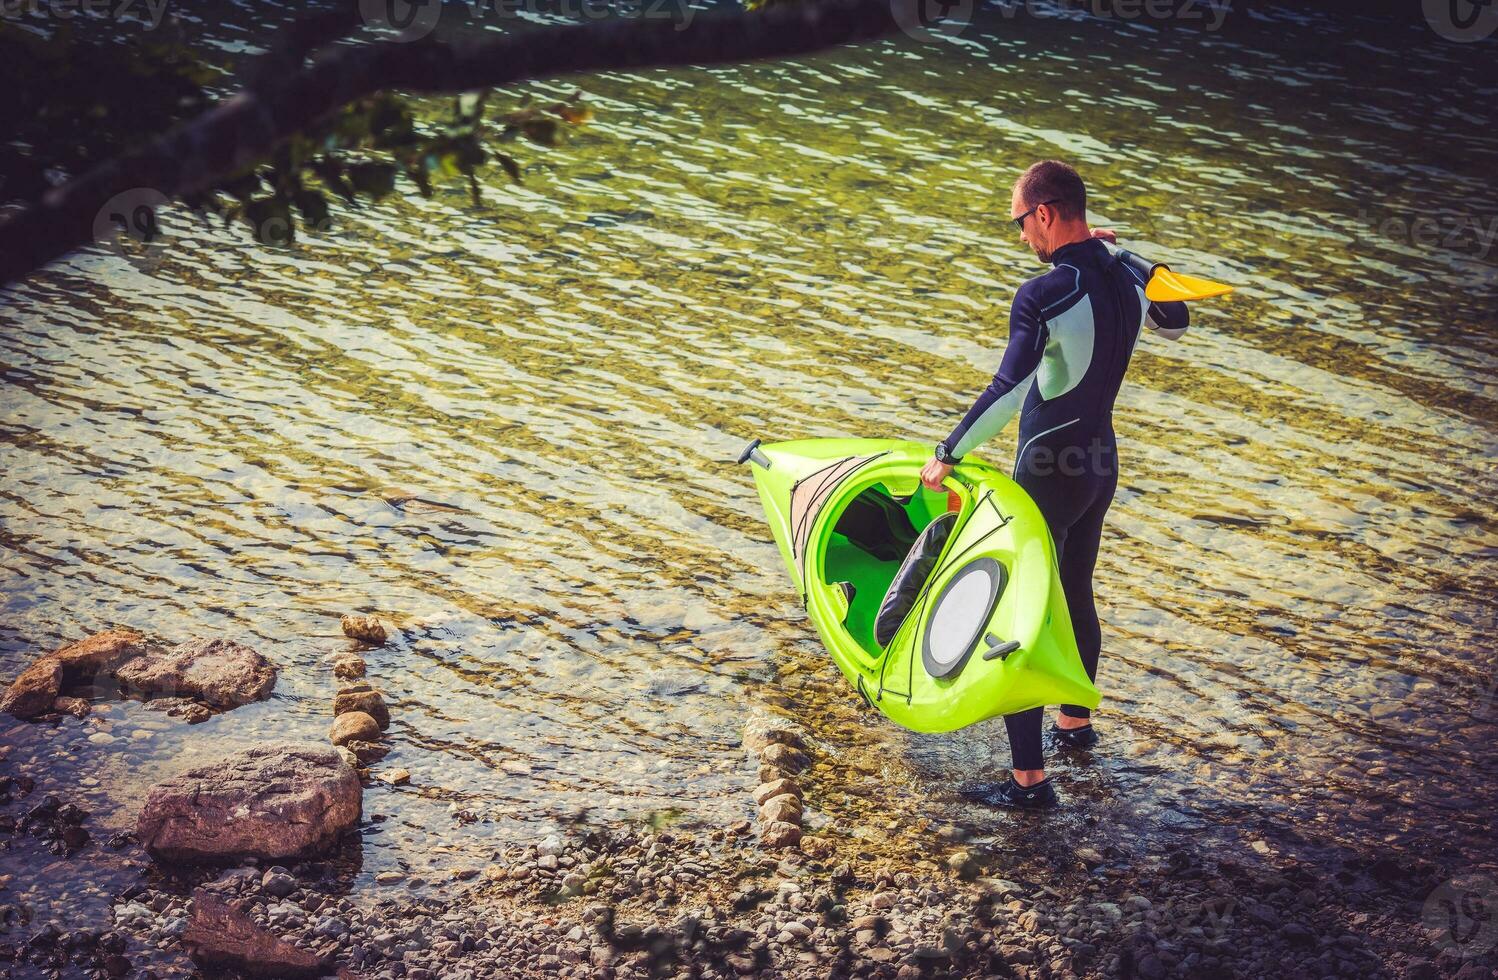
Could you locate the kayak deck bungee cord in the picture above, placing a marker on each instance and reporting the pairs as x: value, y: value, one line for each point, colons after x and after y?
x: 939, y: 618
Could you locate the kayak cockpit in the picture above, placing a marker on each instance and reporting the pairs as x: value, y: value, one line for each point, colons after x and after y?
x: 869, y: 542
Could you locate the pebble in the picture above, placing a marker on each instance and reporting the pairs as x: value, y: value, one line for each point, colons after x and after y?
x: 394, y: 777
x: 349, y: 666
x: 331, y: 927
x: 353, y: 726
x: 783, y: 807
x: 133, y: 915
x: 999, y: 886
x: 764, y: 732
x: 779, y: 833
x: 1033, y: 921
x: 784, y: 758
x: 278, y: 882
x: 1297, y: 935
x: 775, y: 787
x: 365, y: 629
x: 963, y: 864
x: 367, y: 700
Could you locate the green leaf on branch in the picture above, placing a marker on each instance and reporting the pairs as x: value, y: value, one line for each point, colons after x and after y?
x: 421, y: 177
x: 270, y: 219
x: 510, y: 166
x: 313, y: 206
x: 373, y: 179
x: 540, y: 130
x: 329, y: 170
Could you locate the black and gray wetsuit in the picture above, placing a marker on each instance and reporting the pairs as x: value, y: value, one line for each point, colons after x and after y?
x: 1071, y: 333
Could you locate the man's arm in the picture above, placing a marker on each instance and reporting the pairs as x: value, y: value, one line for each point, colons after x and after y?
x: 1169, y: 320
x: 1000, y: 401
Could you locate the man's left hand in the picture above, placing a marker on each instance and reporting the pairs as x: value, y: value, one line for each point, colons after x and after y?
x: 1106, y: 234
x: 933, y: 473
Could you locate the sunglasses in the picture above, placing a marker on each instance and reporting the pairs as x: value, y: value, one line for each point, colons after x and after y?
x: 1020, y: 221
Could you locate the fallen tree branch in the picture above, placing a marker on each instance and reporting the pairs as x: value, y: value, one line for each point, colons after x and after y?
x: 246, y: 128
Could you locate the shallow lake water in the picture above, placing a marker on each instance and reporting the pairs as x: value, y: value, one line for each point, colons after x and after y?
x: 208, y: 437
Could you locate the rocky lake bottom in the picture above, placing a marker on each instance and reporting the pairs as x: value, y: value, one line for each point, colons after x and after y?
x: 198, y: 879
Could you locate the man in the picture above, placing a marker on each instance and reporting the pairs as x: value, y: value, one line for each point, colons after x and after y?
x: 1071, y: 331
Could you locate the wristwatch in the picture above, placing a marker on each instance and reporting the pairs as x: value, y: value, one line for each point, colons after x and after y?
x: 943, y: 456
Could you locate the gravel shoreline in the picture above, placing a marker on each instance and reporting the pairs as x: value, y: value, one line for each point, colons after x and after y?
x: 619, y: 904
x: 790, y: 895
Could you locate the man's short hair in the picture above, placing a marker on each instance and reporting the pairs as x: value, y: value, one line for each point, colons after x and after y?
x: 1052, y: 180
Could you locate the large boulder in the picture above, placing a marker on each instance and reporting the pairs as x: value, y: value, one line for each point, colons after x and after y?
x: 220, y: 937
x: 34, y: 692
x: 272, y: 802
x: 101, y: 653
x: 220, y: 673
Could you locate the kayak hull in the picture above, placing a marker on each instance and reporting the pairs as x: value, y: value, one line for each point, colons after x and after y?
x: 987, y: 632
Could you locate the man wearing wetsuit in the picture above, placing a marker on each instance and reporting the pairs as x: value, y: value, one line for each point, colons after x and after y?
x: 1071, y: 332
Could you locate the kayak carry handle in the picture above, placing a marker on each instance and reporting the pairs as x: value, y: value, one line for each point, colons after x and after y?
x: 751, y: 453
x: 997, y: 649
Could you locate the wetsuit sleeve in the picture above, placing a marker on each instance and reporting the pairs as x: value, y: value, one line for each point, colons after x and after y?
x: 999, y: 402
x: 1169, y: 320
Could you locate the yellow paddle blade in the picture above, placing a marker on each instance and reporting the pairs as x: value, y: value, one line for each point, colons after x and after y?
x: 1166, y: 286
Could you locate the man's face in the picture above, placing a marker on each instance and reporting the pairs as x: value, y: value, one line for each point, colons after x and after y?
x: 1036, y: 232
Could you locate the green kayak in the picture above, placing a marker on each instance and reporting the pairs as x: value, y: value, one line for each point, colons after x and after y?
x: 941, y: 609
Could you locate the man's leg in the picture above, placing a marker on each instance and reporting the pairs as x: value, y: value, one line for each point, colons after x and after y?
x: 1026, y: 755
x: 1077, y: 563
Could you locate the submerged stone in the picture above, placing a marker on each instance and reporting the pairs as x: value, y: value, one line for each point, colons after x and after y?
x: 270, y: 802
